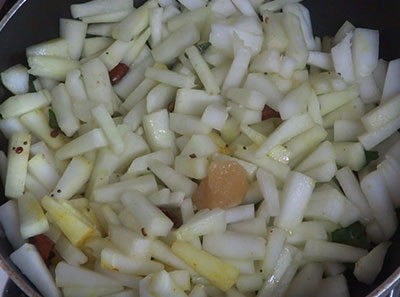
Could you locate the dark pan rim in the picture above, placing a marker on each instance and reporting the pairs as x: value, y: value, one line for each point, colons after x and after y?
x: 387, y: 288
x: 10, y: 13
x: 15, y: 277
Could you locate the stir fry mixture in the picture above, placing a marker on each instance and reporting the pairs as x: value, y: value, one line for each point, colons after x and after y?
x: 200, y: 148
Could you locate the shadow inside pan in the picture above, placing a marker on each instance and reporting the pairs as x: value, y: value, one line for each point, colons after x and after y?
x: 37, y: 20
x: 11, y: 290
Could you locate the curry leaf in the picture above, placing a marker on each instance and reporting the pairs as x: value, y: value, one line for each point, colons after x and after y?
x: 53, y: 120
x: 353, y: 235
x: 371, y: 156
x: 202, y: 47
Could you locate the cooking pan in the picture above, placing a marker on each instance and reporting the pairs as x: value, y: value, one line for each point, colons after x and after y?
x: 26, y: 22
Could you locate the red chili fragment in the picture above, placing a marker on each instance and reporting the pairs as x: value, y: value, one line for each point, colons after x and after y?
x: 54, y: 133
x: 268, y: 113
x: 172, y: 216
x: 118, y: 72
x: 43, y: 244
x: 171, y: 106
x: 266, y: 20
x: 19, y: 150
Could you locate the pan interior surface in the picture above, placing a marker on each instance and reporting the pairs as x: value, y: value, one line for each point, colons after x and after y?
x: 37, y: 20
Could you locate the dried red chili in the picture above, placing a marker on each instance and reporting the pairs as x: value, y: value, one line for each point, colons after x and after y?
x: 19, y: 150
x: 268, y: 113
x: 172, y: 216
x: 171, y: 106
x: 43, y: 244
x: 54, y: 133
x: 118, y: 72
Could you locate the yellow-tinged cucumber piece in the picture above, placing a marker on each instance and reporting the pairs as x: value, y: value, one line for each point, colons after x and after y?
x: 202, y: 223
x: 254, y: 135
x: 113, y: 259
x: 103, y: 119
x: 16, y: 79
x: 80, y: 215
x: 138, y: 44
x: 172, y: 179
x: 353, y: 110
x: 132, y: 25
x: 139, y: 93
x: 303, y: 143
x: 110, y: 216
x: 20, y: 104
x: 31, y: 216
x: 9, y: 220
x: 91, y: 216
x: 94, y: 45
x: 331, y: 101
x: 76, y: 230
x: 170, y: 77
x: 297, y: 48
x: 111, y: 17
x: 202, y: 70
x: 287, y: 130
x: 70, y: 276
x: 97, y: 83
x: 160, y: 97
x: 248, y: 153
x: 323, y: 153
x: 63, y: 109
x: 214, y: 136
x: 73, y: 178
x: 145, y: 184
x: 157, y: 129
x: 99, y: 7
x: 56, y: 47
x: 131, y: 243
x: 381, y: 115
x: 244, y: 115
x: 368, y: 267
x: 38, y: 124
x: 275, y: 36
x: 197, y: 17
x: 247, y: 98
x: 74, y: 32
x: 79, y: 202
x: 350, y: 154
x: 114, y: 53
x: 152, y: 220
x: 91, y: 291
x: 87, y: 142
x: 220, y: 274
x: 295, y: 102
x: 31, y: 264
x: 325, y: 251
x: 51, y: 67
x: 162, y: 252
x: 105, y: 165
x: 296, y: 194
x: 70, y: 253
x: 162, y: 284
x: 33, y: 186
x: 139, y: 165
x: 176, y: 43
x: 17, y: 167
x: 134, y: 146
x: 43, y: 171
x: 191, y: 167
